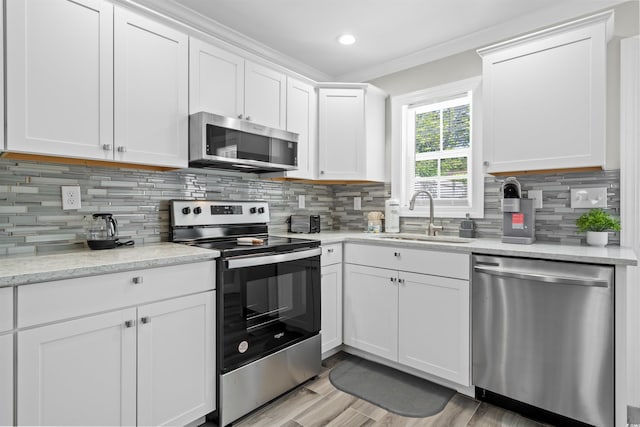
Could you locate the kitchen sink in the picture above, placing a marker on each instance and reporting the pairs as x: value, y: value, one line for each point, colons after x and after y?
x: 425, y: 238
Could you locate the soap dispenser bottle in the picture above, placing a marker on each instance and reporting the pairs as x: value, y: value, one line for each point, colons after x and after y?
x: 467, y: 227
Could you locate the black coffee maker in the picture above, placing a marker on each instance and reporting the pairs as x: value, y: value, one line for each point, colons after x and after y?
x: 519, y: 215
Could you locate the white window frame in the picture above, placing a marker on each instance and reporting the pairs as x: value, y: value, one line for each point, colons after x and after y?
x: 400, y: 155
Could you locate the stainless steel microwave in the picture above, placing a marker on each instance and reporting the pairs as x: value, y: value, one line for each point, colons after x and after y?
x: 227, y: 143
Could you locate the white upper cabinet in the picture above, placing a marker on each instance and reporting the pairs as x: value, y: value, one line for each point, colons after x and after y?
x: 227, y: 84
x: 545, y: 98
x: 351, y: 133
x: 216, y: 80
x: 302, y: 118
x: 88, y: 81
x: 151, y: 91
x: 265, y: 92
x: 60, y: 77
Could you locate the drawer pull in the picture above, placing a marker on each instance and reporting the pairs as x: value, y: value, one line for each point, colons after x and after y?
x: 401, y: 281
x: 145, y: 319
x: 138, y: 280
x: 396, y: 254
x: 330, y: 250
x: 129, y: 323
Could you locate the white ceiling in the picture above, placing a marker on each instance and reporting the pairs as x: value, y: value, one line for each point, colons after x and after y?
x: 391, y: 34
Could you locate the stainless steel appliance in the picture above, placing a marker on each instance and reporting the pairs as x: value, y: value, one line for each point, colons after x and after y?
x: 519, y: 215
x: 543, y: 335
x: 227, y: 143
x: 304, y: 223
x: 268, y: 301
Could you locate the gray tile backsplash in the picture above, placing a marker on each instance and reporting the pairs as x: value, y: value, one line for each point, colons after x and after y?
x: 32, y: 219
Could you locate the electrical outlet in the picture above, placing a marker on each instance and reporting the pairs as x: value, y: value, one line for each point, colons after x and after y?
x: 301, y: 201
x: 357, y: 203
x: 70, y: 197
x: 589, y: 197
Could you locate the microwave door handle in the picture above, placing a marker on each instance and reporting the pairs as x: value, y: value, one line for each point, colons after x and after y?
x: 271, y: 259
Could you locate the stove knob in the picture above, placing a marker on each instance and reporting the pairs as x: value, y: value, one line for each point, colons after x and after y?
x: 260, y: 210
x: 252, y: 210
x: 197, y: 210
x: 186, y: 210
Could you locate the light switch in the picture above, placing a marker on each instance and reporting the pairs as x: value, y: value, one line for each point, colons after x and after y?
x: 357, y: 203
x: 589, y: 197
x: 537, y: 196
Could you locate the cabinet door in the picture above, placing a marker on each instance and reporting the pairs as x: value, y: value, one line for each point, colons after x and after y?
x: 371, y: 310
x: 301, y: 118
x: 545, y: 103
x: 151, y: 91
x: 81, y: 372
x: 216, y: 80
x: 433, y: 325
x: 60, y: 77
x: 264, y: 95
x: 331, y: 303
x: 6, y: 380
x: 341, y: 134
x: 176, y: 360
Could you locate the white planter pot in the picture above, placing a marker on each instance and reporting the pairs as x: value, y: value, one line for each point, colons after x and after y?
x: 597, y: 238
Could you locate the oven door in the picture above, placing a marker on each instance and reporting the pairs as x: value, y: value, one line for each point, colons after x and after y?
x: 268, y: 303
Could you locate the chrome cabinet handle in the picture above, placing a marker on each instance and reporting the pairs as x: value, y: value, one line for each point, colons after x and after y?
x: 396, y: 254
x: 330, y: 250
x: 401, y: 281
x: 122, y: 149
x: 138, y: 280
x: 145, y: 319
x: 129, y: 323
x: 107, y: 147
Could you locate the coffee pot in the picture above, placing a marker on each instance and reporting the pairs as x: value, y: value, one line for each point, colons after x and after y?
x: 102, y: 231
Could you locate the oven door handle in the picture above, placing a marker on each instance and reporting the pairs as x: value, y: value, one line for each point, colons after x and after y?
x: 271, y: 259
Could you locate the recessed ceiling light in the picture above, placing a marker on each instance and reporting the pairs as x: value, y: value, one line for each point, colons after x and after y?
x: 346, y: 39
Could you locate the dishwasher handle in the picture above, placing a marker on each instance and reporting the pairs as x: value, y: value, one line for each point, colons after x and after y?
x: 545, y: 278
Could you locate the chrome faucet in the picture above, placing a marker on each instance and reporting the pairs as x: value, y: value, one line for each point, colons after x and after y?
x: 432, y: 229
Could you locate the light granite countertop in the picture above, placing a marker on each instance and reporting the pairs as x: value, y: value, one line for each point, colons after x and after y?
x: 32, y: 269
x: 612, y: 255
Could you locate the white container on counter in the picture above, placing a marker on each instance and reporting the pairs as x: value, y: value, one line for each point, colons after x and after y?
x: 392, y: 216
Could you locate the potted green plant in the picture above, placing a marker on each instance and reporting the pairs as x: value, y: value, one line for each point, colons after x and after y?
x: 597, y: 223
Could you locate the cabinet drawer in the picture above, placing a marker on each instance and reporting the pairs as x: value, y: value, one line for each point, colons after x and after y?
x: 425, y: 261
x: 61, y: 299
x: 331, y: 254
x: 6, y: 309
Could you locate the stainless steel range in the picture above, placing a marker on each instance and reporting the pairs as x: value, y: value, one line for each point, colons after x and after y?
x: 268, y: 301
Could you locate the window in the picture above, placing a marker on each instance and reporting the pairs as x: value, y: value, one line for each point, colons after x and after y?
x: 436, y: 147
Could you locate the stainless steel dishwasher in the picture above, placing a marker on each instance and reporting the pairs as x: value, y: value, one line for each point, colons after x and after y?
x: 543, y: 335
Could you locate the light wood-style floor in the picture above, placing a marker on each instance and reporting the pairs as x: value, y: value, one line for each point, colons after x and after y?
x: 319, y: 403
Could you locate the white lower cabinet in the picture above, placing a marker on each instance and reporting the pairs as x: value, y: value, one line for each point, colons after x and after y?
x: 331, y: 297
x: 418, y: 320
x: 150, y: 362
x: 6, y: 384
x: 371, y: 310
x: 433, y: 325
x: 81, y: 372
x: 176, y: 340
